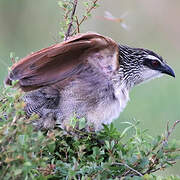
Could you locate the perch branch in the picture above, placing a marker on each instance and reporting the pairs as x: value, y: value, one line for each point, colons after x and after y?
x: 72, y: 19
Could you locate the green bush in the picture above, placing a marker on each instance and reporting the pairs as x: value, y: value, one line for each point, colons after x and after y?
x: 56, y: 154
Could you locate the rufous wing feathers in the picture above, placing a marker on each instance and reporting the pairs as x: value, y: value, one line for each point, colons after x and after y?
x: 63, y: 60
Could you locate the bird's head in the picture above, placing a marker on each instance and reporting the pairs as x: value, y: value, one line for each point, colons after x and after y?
x: 140, y: 65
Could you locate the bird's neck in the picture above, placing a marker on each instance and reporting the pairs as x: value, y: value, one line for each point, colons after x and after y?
x: 121, y: 92
x: 129, y: 77
x: 121, y: 81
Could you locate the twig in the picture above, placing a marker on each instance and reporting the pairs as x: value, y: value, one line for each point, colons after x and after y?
x: 149, y: 171
x: 85, y: 17
x: 163, y: 142
x: 168, y: 151
x: 123, y: 164
x: 13, y: 60
x: 169, y: 131
x: 5, y: 171
x: 77, y: 22
x: 72, y: 19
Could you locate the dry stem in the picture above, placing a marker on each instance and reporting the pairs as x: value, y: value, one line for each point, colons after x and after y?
x: 169, y: 131
x: 72, y: 19
x: 85, y: 17
x: 123, y: 164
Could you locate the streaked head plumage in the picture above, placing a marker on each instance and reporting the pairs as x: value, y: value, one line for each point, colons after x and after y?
x: 140, y: 65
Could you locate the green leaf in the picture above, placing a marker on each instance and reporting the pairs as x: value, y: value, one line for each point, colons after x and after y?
x: 125, y: 131
x: 17, y: 172
x: 51, y: 147
x: 27, y: 163
x: 22, y: 139
x: 82, y: 123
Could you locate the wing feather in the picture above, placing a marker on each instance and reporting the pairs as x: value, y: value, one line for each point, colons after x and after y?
x: 61, y: 61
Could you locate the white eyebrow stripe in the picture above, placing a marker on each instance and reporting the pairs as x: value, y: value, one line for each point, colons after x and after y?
x: 152, y: 57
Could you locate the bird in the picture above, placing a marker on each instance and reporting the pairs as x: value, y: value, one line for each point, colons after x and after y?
x: 88, y: 76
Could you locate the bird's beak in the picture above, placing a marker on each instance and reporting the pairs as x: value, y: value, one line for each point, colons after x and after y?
x: 168, y: 70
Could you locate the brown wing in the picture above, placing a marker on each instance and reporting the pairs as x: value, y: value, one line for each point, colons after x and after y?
x: 63, y: 60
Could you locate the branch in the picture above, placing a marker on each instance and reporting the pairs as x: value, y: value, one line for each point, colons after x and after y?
x: 165, y: 140
x: 150, y: 171
x: 169, y: 131
x: 85, y: 17
x: 77, y: 23
x: 72, y: 19
x: 163, y: 143
x: 123, y: 164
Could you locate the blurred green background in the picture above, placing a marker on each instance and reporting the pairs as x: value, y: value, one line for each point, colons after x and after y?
x: 27, y: 26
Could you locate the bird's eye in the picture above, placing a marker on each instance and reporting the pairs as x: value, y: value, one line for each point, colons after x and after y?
x: 155, y: 63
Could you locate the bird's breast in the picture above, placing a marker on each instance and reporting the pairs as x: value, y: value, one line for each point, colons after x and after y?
x: 122, y: 96
x: 106, y: 112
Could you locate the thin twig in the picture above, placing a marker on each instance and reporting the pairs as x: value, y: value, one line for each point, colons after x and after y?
x: 72, y: 19
x: 163, y: 143
x: 123, y: 164
x: 85, y: 17
x: 13, y: 60
x: 77, y: 22
x: 168, y: 151
x: 165, y: 140
x: 126, y: 173
x: 66, y: 14
x: 5, y: 171
x: 157, y: 169
x: 169, y: 131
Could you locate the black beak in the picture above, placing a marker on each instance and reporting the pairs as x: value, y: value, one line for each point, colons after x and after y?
x: 167, y: 70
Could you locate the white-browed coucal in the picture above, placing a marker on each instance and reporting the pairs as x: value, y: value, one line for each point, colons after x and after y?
x: 88, y: 75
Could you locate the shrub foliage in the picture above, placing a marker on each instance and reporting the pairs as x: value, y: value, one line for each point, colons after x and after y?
x: 55, y: 154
